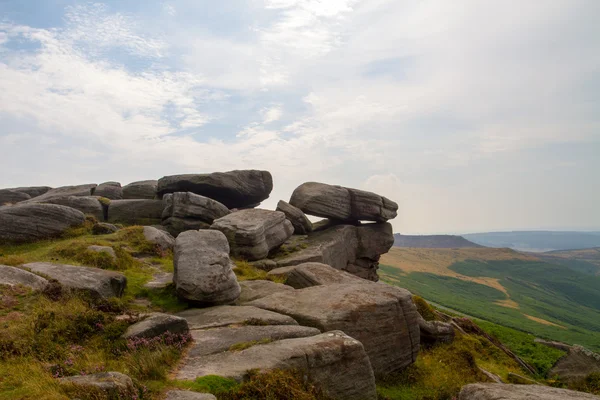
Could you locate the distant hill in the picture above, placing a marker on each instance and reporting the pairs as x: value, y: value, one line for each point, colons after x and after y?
x: 433, y: 241
x: 552, y: 295
x: 537, y: 241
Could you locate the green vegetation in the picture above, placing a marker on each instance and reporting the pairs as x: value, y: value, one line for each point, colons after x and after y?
x: 207, y: 384
x: 246, y: 272
x: 423, y: 307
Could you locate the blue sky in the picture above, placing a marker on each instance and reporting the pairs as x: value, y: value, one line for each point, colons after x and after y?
x: 473, y: 115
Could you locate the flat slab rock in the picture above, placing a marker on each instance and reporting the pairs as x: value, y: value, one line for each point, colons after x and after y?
x: 140, y: 190
x: 202, y: 318
x: 65, y: 191
x: 495, y: 391
x: 382, y: 317
x: 12, y: 276
x: 334, y: 361
x: 217, y: 340
x: 97, y: 282
x: 135, y: 212
x: 187, y: 395
x: 114, y: 384
x: 234, y: 189
x: 156, y: 324
x: 32, y: 222
x: 88, y: 205
x: 252, y: 290
x: 314, y: 274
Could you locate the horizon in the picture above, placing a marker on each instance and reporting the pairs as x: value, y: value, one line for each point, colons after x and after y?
x: 473, y: 118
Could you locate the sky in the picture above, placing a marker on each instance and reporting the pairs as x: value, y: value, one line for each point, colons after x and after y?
x: 473, y: 115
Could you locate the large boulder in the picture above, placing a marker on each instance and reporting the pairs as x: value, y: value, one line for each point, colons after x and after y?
x: 314, y: 274
x: 135, y: 212
x: 354, y: 249
x: 576, y: 365
x: 65, y: 191
x: 88, y: 205
x: 382, y: 317
x: 156, y: 324
x: 434, y: 332
x: 162, y: 240
x: 98, y: 283
x: 341, y: 203
x: 32, y: 222
x: 333, y: 361
x: 301, y: 223
x: 203, y: 269
x: 8, y: 196
x: 32, y: 191
x: 12, y: 276
x: 213, y: 317
x: 110, y: 190
x: 114, y: 385
x: 495, y: 391
x: 253, y: 233
x: 234, y: 189
x: 140, y: 190
x: 186, y: 211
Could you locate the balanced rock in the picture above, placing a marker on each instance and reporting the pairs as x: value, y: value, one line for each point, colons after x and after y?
x: 382, y: 317
x: 495, y: 391
x: 135, y: 212
x: 12, y: 276
x: 234, y: 189
x: 31, y: 222
x: 253, y: 233
x: 333, y: 361
x: 65, y: 191
x: 110, y: 190
x: 213, y: 317
x: 203, y: 269
x: 156, y: 324
x: 8, y: 196
x: 163, y: 240
x: 188, y: 395
x: 140, y: 190
x: 342, y: 203
x: 115, y: 385
x: 88, y: 205
x: 186, y: 211
x: 252, y: 290
x: 301, y: 223
x: 314, y: 274
x: 98, y: 283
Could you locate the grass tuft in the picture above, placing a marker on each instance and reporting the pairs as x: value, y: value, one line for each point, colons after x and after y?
x: 423, y: 307
x: 246, y: 272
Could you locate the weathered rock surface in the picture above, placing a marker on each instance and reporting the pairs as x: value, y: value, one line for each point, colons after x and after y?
x: 15, y: 276
x: 96, y: 282
x: 113, y: 384
x: 342, y: 203
x: 253, y: 233
x: 252, y: 290
x: 433, y: 332
x: 32, y: 191
x: 203, y: 269
x: 135, y: 212
x: 65, y: 191
x: 495, y: 391
x: 355, y: 249
x: 86, y: 204
x: 202, y: 318
x: 155, y: 325
x: 140, y: 190
x: 314, y: 274
x: 104, y: 228
x: 104, y: 249
x: 576, y: 365
x: 110, y: 190
x: 163, y: 240
x: 8, y: 196
x: 187, y: 395
x: 31, y: 222
x: 234, y: 189
x: 217, y: 340
x: 301, y: 223
x: 334, y: 361
x: 382, y: 317
x: 186, y: 211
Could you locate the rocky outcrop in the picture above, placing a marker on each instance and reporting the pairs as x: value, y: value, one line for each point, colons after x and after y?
x: 187, y: 395
x: 97, y: 283
x: 135, y: 212
x: 203, y: 270
x: 576, y: 365
x: 434, y: 332
x: 300, y: 222
x: 333, y: 361
x: 234, y: 189
x: 103, y: 228
x: 140, y: 190
x: 186, y: 211
x: 213, y: 317
x: 162, y: 240
x: 344, y: 204
x: 494, y: 391
x: 253, y: 233
x: 314, y: 274
x: 12, y: 276
x: 31, y: 222
x: 86, y: 204
x: 253, y: 290
x: 110, y: 190
x: 156, y: 324
x: 65, y: 191
x: 8, y: 196
x: 32, y: 191
x: 115, y: 385
x: 356, y: 309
